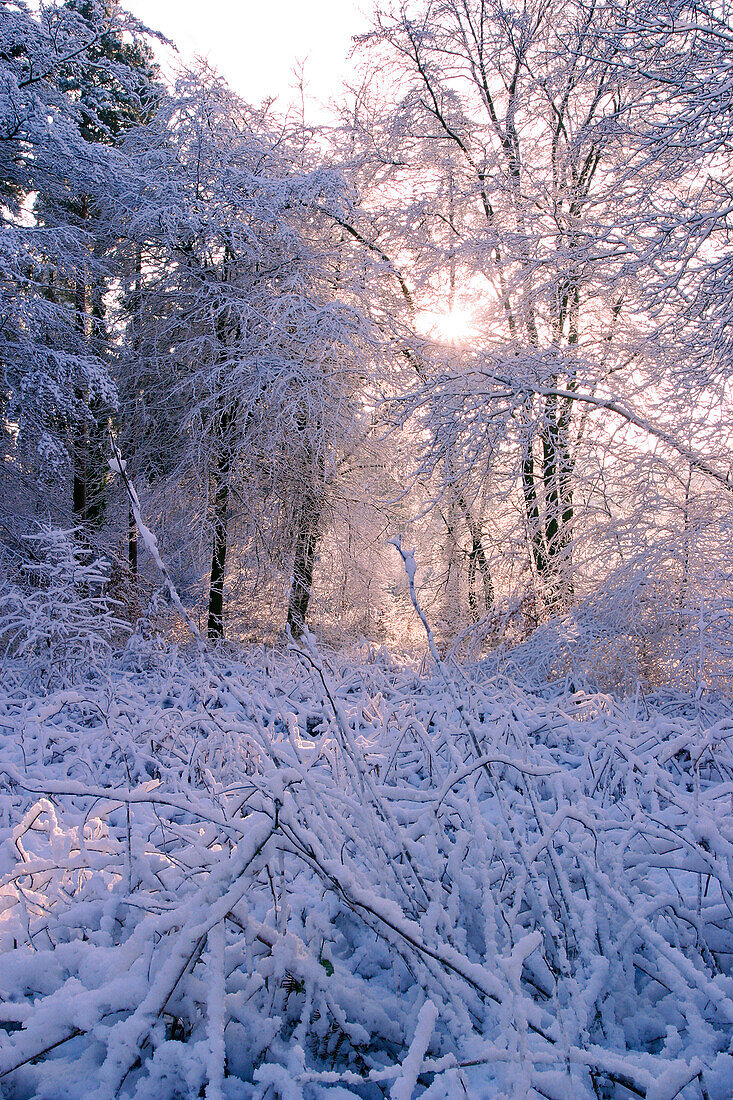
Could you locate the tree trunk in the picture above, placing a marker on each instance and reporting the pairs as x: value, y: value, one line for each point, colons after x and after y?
x: 135, y: 330
x: 557, y: 477
x: 80, y: 429
x: 215, y: 627
x: 550, y: 515
x: 131, y: 541
x: 532, y: 511
x: 307, y: 536
x: 79, y: 491
x: 476, y: 557
x: 567, y: 510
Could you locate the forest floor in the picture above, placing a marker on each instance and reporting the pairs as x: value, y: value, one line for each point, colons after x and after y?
x: 299, y: 876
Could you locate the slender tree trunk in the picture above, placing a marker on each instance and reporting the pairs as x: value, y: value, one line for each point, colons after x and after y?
x: 472, y: 600
x: 215, y: 627
x: 453, y: 554
x: 79, y: 492
x: 88, y: 436
x: 131, y: 541
x: 550, y: 520
x: 550, y: 474
x: 80, y: 447
x: 550, y: 481
x: 567, y: 511
x: 532, y: 512
x: 307, y: 536
x: 476, y: 557
x: 226, y: 419
x: 136, y: 327
x: 565, y: 463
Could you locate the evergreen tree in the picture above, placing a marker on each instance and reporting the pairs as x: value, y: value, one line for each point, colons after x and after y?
x: 74, y: 77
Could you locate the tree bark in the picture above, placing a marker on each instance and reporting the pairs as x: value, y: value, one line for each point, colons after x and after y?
x: 79, y: 491
x: 532, y: 511
x: 307, y: 536
x: 135, y: 330
x: 476, y: 557
x: 131, y: 541
x: 80, y: 429
x: 215, y: 626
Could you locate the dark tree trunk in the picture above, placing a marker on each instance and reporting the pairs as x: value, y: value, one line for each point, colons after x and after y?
x: 79, y: 491
x: 550, y: 515
x: 90, y: 417
x: 135, y: 330
x: 532, y: 510
x: 557, y: 478
x: 225, y: 421
x: 477, y: 557
x: 131, y: 541
x: 80, y: 429
x: 567, y: 511
x: 550, y: 475
x: 306, y: 543
x: 215, y: 627
x: 96, y: 466
x: 472, y: 598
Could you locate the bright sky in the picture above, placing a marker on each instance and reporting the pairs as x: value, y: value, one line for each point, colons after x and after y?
x: 256, y: 44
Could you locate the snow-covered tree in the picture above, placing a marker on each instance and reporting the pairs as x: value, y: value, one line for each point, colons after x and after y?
x: 504, y: 142
x: 244, y: 319
x: 72, y: 76
x: 683, y: 55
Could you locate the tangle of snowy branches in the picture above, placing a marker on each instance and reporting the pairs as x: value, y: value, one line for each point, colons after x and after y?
x: 292, y: 878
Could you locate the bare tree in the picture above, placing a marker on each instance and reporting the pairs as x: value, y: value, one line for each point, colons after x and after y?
x: 523, y: 200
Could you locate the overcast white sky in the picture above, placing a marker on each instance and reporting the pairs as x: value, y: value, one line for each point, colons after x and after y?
x: 256, y: 43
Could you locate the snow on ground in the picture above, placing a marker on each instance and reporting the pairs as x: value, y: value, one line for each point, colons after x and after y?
x: 291, y: 877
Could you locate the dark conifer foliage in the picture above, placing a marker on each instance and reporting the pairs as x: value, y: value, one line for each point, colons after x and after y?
x: 75, y: 76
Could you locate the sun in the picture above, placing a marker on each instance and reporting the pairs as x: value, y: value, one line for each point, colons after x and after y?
x: 454, y: 326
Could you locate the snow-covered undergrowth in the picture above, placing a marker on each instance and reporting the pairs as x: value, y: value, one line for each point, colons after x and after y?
x: 281, y: 878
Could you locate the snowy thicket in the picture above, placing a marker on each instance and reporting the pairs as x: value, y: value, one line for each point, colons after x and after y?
x: 298, y: 877
x: 57, y: 611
